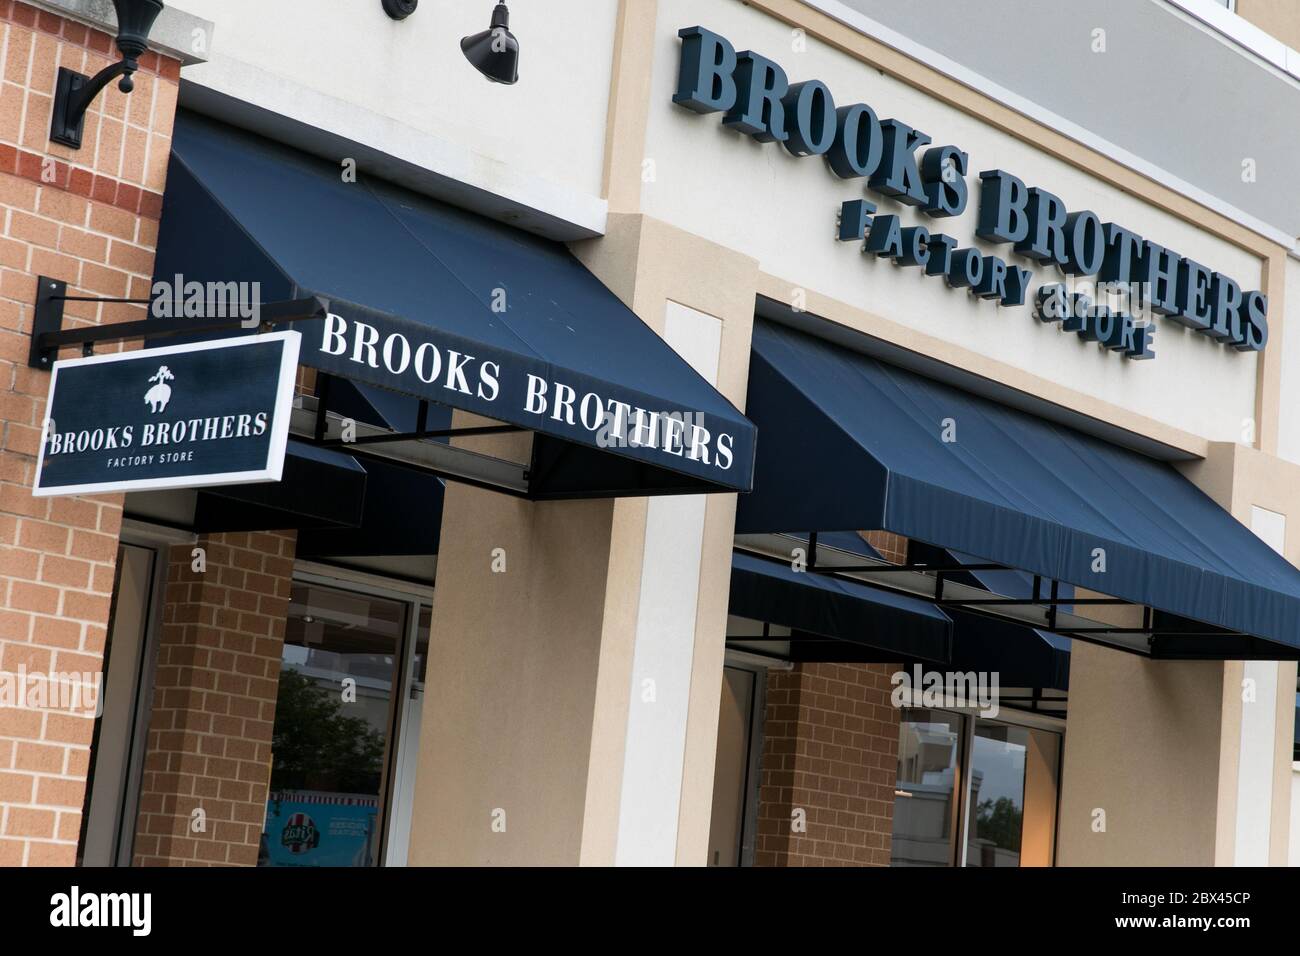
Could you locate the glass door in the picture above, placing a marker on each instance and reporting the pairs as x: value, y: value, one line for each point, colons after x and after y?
x: 975, y: 792
x: 334, y: 727
x: 929, y: 769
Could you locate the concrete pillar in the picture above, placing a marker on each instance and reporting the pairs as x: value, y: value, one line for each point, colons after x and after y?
x: 1187, y: 763
x: 572, y: 699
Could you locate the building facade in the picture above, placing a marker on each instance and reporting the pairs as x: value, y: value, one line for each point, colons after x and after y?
x: 782, y: 433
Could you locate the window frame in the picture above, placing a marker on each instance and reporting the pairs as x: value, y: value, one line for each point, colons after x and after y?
x: 416, y: 597
x: 961, y: 785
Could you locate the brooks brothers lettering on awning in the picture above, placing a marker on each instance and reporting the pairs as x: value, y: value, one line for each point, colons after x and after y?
x: 882, y: 447
x: 757, y: 98
x: 184, y: 416
x: 446, y: 306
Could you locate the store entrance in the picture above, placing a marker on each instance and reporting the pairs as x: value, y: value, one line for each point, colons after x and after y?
x: 346, y: 726
x: 973, y: 791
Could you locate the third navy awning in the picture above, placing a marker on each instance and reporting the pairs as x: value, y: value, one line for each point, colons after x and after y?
x: 852, y: 443
x: 825, y: 615
x: 824, y: 611
x: 434, y: 302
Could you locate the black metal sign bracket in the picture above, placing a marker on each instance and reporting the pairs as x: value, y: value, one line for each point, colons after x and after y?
x: 49, y: 335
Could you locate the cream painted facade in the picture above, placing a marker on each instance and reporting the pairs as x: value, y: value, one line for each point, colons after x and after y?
x: 778, y: 208
x: 399, y: 91
x: 570, y: 712
x: 673, y: 174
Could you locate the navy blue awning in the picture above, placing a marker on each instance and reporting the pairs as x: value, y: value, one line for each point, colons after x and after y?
x: 1024, y: 657
x: 850, y: 442
x: 319, y: 488
x: 819, y: 605
x: 403, y: 506
x: 1021, y: 656
x: 438, y: 303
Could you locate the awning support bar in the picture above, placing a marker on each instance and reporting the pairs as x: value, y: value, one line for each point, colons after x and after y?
x: 421, y: 435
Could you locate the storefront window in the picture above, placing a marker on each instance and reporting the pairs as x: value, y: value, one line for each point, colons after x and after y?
x: 929, y: 751
x: 333, y: 720
x: 1011, y: 818
x: 1004, y: 778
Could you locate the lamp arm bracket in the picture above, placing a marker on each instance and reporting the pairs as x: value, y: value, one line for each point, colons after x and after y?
x: 75, y: 93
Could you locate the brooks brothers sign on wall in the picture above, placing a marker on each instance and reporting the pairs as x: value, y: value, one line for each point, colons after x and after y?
x: 755, y: 97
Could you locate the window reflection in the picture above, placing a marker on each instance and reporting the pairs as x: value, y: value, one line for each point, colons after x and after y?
x: 1004, y: 784
x: 1012, y: 808
x: 997, y: 795
x: 929, y: 749
x: 332, y: 723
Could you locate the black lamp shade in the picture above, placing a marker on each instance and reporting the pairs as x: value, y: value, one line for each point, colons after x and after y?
x: 495, y: 51
x: 134, y: 21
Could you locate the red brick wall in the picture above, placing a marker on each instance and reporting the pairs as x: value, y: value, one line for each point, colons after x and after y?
x: 209, y: 743
x: 892, y: 547
x: 88, y: 217
x: 830, y: 748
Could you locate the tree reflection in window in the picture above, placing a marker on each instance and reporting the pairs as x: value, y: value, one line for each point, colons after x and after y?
x: 316, y: 746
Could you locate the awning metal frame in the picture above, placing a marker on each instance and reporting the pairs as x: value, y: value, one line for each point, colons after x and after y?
x: 313, y: 423
x: 1043, y: 610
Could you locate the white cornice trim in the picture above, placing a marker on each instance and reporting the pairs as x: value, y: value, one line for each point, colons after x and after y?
x: 836, y: 10
x: 1243, y: 33
x: 177, y: 33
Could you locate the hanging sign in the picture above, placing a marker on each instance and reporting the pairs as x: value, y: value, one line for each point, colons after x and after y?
x: 182, y: 416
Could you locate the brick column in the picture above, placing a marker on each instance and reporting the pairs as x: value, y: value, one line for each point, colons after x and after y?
x: 89, y: 217
x: 209, y: 743
x: 830, y: 748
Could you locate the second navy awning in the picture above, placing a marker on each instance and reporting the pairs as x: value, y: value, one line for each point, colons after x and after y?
x: 434, y: 302
x: 853, y: 443
x: 829, y: 616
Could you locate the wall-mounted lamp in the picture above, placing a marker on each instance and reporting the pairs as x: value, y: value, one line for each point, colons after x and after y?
x: 400, y: 9
x: 75, y: 92
x: 495, y: 51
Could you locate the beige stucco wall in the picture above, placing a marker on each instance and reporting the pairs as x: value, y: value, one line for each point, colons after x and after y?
x: 348, y: 62
x: 1142, y: 748
x: 529, y: 712
x: 512, y: 677
x: 1281, y: 18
